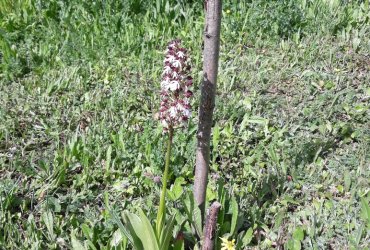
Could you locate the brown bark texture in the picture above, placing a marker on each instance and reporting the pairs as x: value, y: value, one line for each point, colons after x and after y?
x: 211, y: 226
x: 207, y: 103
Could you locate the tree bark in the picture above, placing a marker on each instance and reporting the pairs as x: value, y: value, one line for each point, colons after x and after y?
x: 211, y: 226
x: 208, y: 92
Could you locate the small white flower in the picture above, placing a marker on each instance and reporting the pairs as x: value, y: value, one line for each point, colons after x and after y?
x: 175, y: 74
x: 173, y: 85
x: 176, y: 63
x: 165, y: 83
x: 13, y: 149
x: 179, y: 106
x: 181, y: 54
x: 170, y: 59
x: 173, y: 112
x: 167, y: 70
x: 164, y: 123
x: 186, y: 112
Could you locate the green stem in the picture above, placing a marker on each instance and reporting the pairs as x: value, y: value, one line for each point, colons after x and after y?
x: 162, y: 209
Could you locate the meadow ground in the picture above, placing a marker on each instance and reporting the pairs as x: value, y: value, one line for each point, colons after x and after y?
x: 79, y: 93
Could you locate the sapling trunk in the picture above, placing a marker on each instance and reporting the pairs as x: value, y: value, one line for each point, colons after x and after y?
x: 208, y: 91
x: 211, y: 226
x: 161, y: 216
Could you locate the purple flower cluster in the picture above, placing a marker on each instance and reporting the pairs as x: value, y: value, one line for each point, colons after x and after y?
x: 175, y: 107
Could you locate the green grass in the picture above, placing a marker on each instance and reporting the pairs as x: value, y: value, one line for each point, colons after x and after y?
x: 79, y: 90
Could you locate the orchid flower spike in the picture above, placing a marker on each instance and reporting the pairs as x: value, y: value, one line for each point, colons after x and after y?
x: 176, y: 81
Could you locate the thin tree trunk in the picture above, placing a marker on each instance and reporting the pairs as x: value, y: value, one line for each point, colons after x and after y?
x: 210, y: 227
x: 208, y: 92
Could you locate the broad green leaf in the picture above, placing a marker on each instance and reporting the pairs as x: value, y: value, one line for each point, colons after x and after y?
x: 253, y: 120
x: 189, y: 206
x: 298, y: 234
x: 222, y: 199
x: 287, y: 199
x: 87, y: 231
x: 248, y: 237
x: 197, y: 221
x: 90, y: 245
x: 293, y: 244
x: 347, y: 181
x: 279, y: 218
x: 234, y: 215
x: 211, y: 194
x: 108, y: 157
x: 365, y: 211
x: 146, y: 232
x: 179, y: 245
x: 128, y: 230
x: 120, y: 225
x: 158, y: 6
x: 76, y: 244
x: 48, y: 219
x: 176, y: 190
x: 117, y: 238
x: 359, y: 234
x: 216, y: 136
x: 166, y: 233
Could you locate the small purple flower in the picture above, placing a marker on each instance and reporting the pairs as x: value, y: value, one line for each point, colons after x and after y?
x: 157, y: 179
x: 175, y: 107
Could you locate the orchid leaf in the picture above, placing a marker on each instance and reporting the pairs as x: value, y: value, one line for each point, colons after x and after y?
x: 146, y: 232
x: 166, y: 233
